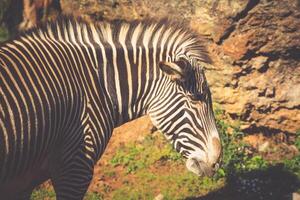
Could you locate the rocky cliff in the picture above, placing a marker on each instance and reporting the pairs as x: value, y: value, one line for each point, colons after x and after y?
x: 257, y: 75
x: 255, y: 46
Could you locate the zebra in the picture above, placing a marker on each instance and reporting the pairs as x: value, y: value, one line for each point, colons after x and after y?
x: 67, y: 83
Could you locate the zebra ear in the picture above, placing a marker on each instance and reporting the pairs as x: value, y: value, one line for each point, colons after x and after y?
x: 177, y: 71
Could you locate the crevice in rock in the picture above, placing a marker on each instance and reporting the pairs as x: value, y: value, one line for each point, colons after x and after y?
x: 249, y: 55
x: 271, y: 56
x: 264, y: 109
x: 266, y: 131
x: 226, y: 34
x: 297, y: 107
x: 247, y: 113
x: 244, y: 72
x: 234, y: 116
x: 250, y: 5
x: 292, y: 53
x: 264, y: 68
x: 287, y: 54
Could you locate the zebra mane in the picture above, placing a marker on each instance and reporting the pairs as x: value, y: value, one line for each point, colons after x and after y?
x: 70, y: 28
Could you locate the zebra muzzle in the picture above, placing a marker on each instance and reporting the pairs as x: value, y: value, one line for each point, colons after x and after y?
x: 200, y: 168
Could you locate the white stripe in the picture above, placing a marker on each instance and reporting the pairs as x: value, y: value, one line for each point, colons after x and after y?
x: 95, y: 66
x: 165, y: 36
x: 155, y: 41
x: 135, y: 36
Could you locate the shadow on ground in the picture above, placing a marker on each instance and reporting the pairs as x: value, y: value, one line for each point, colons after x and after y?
x: 274, y: 183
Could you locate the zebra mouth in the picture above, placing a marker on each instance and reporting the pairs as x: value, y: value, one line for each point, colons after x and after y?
x: 199, y: 167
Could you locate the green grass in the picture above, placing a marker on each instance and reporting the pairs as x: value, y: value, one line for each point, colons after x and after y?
x: 156, y: 168
x: 140, y: 156
x: 293, y: 164
x: 49, y: 194
x: 3, y: 34
x: 235, y: 156
x: 42, y: 193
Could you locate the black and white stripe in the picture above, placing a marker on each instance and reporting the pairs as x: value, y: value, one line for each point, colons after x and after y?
x: 67, y: 84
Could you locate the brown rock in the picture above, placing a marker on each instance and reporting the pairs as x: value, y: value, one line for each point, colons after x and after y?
x: 236, y: 46
x: 259, y: 62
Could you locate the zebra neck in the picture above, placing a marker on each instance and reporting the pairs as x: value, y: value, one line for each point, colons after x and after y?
x: 131, y: 94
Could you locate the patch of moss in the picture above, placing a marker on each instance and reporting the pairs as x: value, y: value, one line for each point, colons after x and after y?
x: 43, y: 193
x: 49, y: 194
x: 135, y: 156
x: 4, y: 35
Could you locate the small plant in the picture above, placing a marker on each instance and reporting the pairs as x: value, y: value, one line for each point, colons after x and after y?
x: 236, y: 157
x: 297, y: 140
x: 294, y: 163
x: 4, y: 35
x: 42, y: 193
x: 139, y: 156
x: 127, y: 157
x: 49, y: 194
x: 93, y: 196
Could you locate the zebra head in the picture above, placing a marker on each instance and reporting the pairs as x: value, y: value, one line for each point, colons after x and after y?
x: 185, y: 115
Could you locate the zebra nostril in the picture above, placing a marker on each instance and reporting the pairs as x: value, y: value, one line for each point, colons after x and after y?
x: 215, y: 166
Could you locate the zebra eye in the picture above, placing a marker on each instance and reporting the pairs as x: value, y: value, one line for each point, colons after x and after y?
x: 198, y: 97
x: 194, y: 99
x: 182, y: 63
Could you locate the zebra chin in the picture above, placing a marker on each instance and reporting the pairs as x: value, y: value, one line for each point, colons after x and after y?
x: 200, y: 168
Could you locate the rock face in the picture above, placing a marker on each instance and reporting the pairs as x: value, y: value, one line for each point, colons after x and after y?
x: 260, y: 50
x: 255, y: 46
